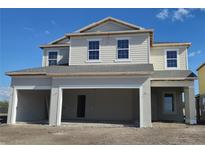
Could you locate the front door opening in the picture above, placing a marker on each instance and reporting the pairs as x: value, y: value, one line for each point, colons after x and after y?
x: 81, y: 106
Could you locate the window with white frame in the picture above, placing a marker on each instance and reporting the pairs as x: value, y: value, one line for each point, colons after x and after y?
x: 171, y: 59
x: 123, y: 49
x: 52, y: 58
x: 93, y: 50
x: 168, y: 103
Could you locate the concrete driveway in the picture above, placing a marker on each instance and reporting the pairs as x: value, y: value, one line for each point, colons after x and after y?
x: 91, y: 133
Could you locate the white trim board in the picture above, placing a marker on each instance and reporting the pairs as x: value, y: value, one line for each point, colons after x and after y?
x: 32, y: 87
x: 108, y: 86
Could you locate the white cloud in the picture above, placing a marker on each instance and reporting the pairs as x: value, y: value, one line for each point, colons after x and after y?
x: 181, y: 14
x: 53, y: 22
x: 46, y: 32
x: 177, y: 14
x: 28, y: 28
x: 195, y: 53
x: 163, y: 14
x: 4, y: 92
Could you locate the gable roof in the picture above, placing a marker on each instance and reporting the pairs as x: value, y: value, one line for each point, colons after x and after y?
x: 95, y: 24
x: 57, y: 40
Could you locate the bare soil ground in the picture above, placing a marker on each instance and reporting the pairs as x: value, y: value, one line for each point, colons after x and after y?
x: 90, y: 133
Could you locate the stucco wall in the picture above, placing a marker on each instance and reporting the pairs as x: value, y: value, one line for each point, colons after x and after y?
x: 31, y: 105
x: 157, y: 104
x: 138, y: 49
x: 103, y: 104
x: 30, y: 81
x: 157, y: 57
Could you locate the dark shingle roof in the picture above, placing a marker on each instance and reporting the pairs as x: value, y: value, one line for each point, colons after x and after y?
x: 118, y: 68
x: 173, y: 74
x: 106, y: 69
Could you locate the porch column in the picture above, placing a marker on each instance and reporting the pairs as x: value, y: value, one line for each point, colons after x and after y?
x: 55, y: 106
x: 145, y: 104
x: 11, y: 119
x: 190, y: 108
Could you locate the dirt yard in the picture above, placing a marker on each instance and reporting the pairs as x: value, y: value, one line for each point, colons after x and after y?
x: 88, y: 133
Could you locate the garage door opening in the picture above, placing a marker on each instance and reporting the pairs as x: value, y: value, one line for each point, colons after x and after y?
x: 33, y: 106
x: 101, y: 105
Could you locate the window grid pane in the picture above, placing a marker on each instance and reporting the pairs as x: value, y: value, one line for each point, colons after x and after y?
x: 123, y: 49
x: 171, y: 54
x: 53, y: 55
x: 122, y: 44
x: 123, y: 54
x: 93, y: 45
x: 171, y: 59
x: 172, y: 63
x: 52, y: 62
x: 94, y: 55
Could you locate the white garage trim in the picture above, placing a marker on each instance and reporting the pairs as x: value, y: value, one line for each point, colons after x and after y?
x: 14, y: 100
x: 105, y: 86
x: 32, y: 87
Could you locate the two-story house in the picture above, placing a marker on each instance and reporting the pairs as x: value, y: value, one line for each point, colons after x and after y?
x: 110, y: 70
x: 200, y: 98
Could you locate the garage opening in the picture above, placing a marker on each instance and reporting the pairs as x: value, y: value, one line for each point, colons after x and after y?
x: 33, y: 106
x: 101, y: 105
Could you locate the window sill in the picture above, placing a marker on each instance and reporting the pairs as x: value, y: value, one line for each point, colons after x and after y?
x: 172, y: 68
x: 93, y: 61
x: 122, y: 60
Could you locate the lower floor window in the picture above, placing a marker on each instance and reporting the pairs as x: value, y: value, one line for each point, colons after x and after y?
x: 172, y: 63
x: 123, y: 54
x: 168, y: 103
x: 94, y: 55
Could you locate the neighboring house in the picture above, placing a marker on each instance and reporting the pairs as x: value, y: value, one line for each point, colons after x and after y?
x: 201, y: 96
x: 110, y: 70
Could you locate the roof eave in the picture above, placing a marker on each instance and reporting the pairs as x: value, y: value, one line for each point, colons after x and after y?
x: 142, y: 73
x: 25, y: 74
x: 174, y: 79
x: 111, y: 33
x: 54, y: 45
x: 188, y: 44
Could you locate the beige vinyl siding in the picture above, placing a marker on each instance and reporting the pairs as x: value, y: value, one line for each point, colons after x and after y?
x: 63, y: 56
x: 109, y: 26
x: 157, y: 57
x: 138, y: 48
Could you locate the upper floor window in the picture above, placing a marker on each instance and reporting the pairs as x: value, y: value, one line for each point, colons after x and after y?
x: 93, y: 50
x: 123, y: 49
x: 52, y: 58
x: 171, y: 59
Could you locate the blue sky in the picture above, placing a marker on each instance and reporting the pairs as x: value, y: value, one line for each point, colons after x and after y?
x: 23, y: 30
